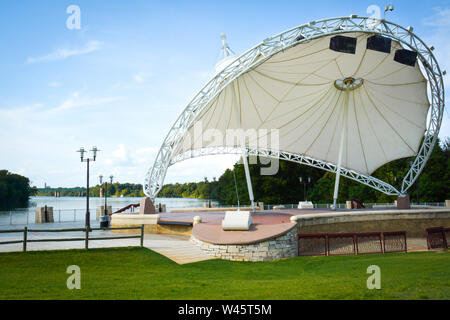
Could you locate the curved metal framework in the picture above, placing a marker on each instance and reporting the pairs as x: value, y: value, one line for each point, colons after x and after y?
x: 271, y: 46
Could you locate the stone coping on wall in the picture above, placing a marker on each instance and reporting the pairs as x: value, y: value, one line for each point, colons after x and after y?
x: 375, y: 215
x: 214, y: 234
x: 216, y: 209
x: 131, y: 218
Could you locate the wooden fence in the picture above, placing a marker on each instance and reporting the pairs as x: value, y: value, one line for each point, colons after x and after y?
x: 86, y: 237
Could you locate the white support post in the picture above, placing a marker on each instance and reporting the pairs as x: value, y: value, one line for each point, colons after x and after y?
x: 338, y: 172
x: 247, y: 177
x: 341, y: 147
x: 244, y: 152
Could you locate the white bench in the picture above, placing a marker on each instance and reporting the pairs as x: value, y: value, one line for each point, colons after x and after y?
x: 237, y: 221
x: 305, y: 205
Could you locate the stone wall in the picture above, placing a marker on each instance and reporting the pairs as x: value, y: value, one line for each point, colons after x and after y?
x: 283, y: 246
x: 414, y: 222
x: 42, y: 217
x: 180, y: 230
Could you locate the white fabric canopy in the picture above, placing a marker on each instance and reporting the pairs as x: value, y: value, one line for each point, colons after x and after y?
x: 294, y: 91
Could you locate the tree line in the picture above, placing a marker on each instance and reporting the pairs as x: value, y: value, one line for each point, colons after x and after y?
x: 114, y: 190
x: 285, y: 187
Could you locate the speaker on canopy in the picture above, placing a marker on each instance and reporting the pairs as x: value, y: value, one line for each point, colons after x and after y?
x: 379, y: 43
x: 343, y: 44
x: 406, y: 57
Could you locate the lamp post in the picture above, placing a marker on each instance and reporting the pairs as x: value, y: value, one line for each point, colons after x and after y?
x: 307, y: 180
x: 100, y: 177
x: 387, y: 8
x: 87, y: 160
x: 106, y: 194
x: 104, y: 220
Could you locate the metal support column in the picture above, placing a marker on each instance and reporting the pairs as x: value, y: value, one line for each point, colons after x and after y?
x: 244, y: 152
x: 341, y: 146
x: 247, y: 177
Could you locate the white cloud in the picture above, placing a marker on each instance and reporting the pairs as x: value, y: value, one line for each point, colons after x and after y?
x: 16, y: 113
x: 136, y: 81
x: 144, y: 155
x: 122, y: 157
x: 119, y: 157
x: 440, y: 27
x: 61, y: 54
x: 141, y: 77
x: 440, y: 19
x: 54, y: 84
x: 75, y: 101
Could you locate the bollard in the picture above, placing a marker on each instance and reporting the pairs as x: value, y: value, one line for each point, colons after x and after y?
x: 294, y: 219
x: 25, y: 234
x: 348, y: 204
x: 142, y: 236
x: 197, y: 219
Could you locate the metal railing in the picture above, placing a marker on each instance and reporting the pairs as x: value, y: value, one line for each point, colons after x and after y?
x: 86, y: 237
x: 27, y: 216
x: 438, y: 238
x: 367, y: 205
x: 328, y: 244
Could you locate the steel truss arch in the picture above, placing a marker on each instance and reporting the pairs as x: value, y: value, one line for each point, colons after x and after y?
x: 271, y: 46
x: 289, y: 156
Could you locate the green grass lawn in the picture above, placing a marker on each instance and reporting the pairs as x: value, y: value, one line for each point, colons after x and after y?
x: 139, y: 273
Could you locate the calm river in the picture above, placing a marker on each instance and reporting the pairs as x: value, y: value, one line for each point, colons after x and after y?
x: 67, y: 209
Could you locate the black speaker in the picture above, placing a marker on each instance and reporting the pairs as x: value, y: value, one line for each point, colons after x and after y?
x: 379, y: 43
x: 406, y: 57
x: 343, y: 44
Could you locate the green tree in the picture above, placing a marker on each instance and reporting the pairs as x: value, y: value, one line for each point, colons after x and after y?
x: 15, y: 190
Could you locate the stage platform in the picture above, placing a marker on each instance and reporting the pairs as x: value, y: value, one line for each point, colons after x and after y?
x: 273, y: 234
x: 272, y: 223
x: 266, y: 225
x: 264, y: 217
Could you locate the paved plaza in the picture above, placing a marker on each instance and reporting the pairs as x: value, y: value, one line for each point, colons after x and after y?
x: 176, y: 248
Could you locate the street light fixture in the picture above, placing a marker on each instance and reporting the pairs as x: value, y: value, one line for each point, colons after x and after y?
x: 387, y: 8
x: 104, y: 220
x: 87, y: 160
x: 307, y: 180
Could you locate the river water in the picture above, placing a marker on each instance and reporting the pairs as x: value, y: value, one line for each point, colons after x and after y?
x: 69, y: 209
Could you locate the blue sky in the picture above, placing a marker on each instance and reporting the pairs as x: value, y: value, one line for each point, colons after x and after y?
x: 121, y: 80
